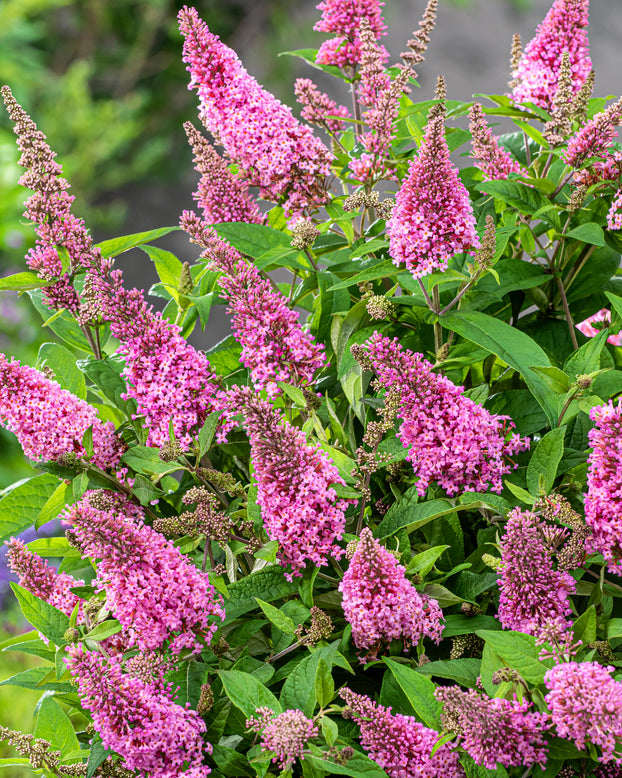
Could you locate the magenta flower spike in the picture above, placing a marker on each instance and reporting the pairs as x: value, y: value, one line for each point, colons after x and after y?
x: 537, y: 74
x: 299, y: 505
x: 586, y: 706
x: 451, y: 439
x: 50, y: 209
x: 260, y: 134
x: 400, y: 744
x: 381, y: 604
x: 139, y: 720
x: 602, y: 318
x: 317, y: 106
x: 595, y: 139
x: 433, y: 217
x: 155, y: 592
x: 534, y: 596
x: 36, y: 575
x: 286, y: 734
x: 221, y: 195
x: 603, y: 501
x: 614, y: 218
x: 343, y: 18
x: 49, y: 421
x: 494, y: 162
x: 166, y: 376
x: 274, y: 345
x: 494, y: 730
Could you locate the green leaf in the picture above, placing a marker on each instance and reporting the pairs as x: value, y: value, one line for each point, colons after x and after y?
x: 457, y: 624
x: 518, y: 650
x: 54, y: 725
x: 422, y: 563
x: 252, y: 239
x: 545, y: 460
x: 268, y: 584
x: 63, y: 364
x: 462, y: 671
x: 369, y: 247
x: 590, y: 232
x: 33, y: 647
x: 299, y: 688
x: 420, y: 692
x: 614, y: 629
x: 104, y: 630
x: 274, y: 615
x: 615, y: 301
x: 116, y: 246
x: 525, y: 198
x: 145, y: 460
x: 64, y: 326
x: 556, y: 379
x: 167, y: 266
x: 324, y: 684
x: 294, y: 393
x: 358, y: 766
x: 206, y: 435
x: 381, y: 269
x: 410, y: 514
x: 48, y: 620
x: 587, y: 358
x: 247, y: 693
x: 106, y: 374
x: 584, y: 628
x: 522, y: 494
x: 514, y: 347
x: 32, y: 679
x: 21, y: 504
x: 97, y: 755
x: 22, y: 282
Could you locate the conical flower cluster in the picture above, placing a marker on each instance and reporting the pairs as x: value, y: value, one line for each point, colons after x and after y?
x: 381, y: 604
x: 155, y: 592
x: 451, y: 439
x: 285, y: 735
x: 537, y: 74
x: 399, y: 744
x: 534, y: 596
x: 50, y: 422
x: 260, y: 134
x: 494, y: 161
x: 433, y: 218
x: 343, y: 18
x: 299, y: 505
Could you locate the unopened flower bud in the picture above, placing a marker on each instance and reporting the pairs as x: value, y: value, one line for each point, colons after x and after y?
x: 494, y: 562
x: 72, y: 635
x: 170, y: 450
x: 378, y: 307
x: 186, y: 284
x: 206, y: 699
x: 584, y: 382
x: 304, y: 234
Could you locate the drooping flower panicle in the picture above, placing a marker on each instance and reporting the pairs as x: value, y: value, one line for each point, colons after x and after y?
x: 49, y: 421
x: 494, y: 730
x: 494, y: 162
x: 138, y: 720
x: 381, y: 604
x: 586, y: 706
x: 399, y: 744
x: 534, y: 595
x: 156, y: 593
x: 451, y: 439
x: 603, y: 501
x: 299, y: 505
x: 537, y: 74
x: 343, y: 18
x: 222, y: 196
x: 286, y: 734
x: 433, y: 216
x: 260, y: 134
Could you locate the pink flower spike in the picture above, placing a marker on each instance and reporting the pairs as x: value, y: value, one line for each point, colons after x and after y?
x: 299, y: 505
x: 151, y: 588
x: 50, y: 422
x: 534, y: 596
x: 317, y: 106
x: 451, y: 439
x: 614, y: 217
x: 595, y: 139
x: 603, y: 318
x: 494, y: 161
x: 222, y: 196
x: 494, y: 730
x: 139, y: 720
x: 537, y: 74
x: 260, y: 134
x: 286, y: 734
x: 399, y: 744
x: 433, y: 217
x: 381, y: 604
x: 603, y: 501
x: 586, y: 706
x: 40, y: 579
x: 343, y: 18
